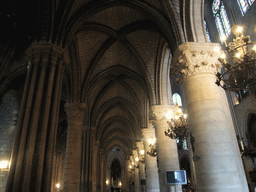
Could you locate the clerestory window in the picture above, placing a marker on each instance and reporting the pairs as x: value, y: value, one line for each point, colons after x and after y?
x: 221, y: 19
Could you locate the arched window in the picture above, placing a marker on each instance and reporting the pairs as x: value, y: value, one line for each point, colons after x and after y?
x: 215, y: 6
x: 221, y: 19
x: 177, y: 99
x: 251, y: 2
x: 244, y: 5
x: 207, y: 31
x: 225, y: 21
x: 219, y: 26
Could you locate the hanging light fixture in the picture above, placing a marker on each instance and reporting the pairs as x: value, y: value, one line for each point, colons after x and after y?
x: 239, y: 62
x: 177, y: 123
x: 152, y: 147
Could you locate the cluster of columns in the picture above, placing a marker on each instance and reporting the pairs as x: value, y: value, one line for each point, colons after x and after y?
x: 217, y: 159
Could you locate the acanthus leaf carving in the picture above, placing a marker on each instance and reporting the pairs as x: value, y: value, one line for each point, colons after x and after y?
x: 195, y: 58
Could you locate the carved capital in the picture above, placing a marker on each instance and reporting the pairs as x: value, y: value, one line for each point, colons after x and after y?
x: 195, y: 58
x: 75, y: 113
x: 148, y: 133
x: 160, y: 111
x: 46, y: 54
x: 139, y: 145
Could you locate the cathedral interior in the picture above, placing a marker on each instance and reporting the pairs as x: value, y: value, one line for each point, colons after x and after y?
x: 86, y: 86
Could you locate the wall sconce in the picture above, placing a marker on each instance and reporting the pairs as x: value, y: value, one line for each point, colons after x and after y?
x: 152, y: 147
x: 5, y: 165
x: 107, y: 182
x: 142, y: 158
x: 57, y: 186
x: 178, y: 125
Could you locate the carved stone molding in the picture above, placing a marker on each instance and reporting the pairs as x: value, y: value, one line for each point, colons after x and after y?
x: 160, y: 111
x: 195, y: 58
x: 148, y: 133
x: 75, y: 113
x: 140, y: 145
x: 46, y: 54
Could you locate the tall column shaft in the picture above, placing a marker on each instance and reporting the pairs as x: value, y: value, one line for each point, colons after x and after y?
x: 95, y: 164
x: 72, y: 167
x: 217, y: 159
x: 136, y: 172
x: 152, y: 180
x: 167, y: 151
x: 32, y: 159
x: 101, y: 158
x: 140, y: 147
x: 126, y: 184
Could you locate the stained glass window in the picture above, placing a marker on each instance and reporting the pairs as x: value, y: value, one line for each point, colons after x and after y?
x: 177, y: 99
x: 251, y: 1
x: 225, y: 21
x: 219, y: 26
x: 207, y: 31
x: 243, y: 4
x: 215, y: 6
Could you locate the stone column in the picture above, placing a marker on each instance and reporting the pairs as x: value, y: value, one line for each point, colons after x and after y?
x: 72, y: 168
x: 152, y: 180
x: 136, y: 172
x: 32, y: 159
x: 127, y: 184
x: 88, y: 150
x: 217, y: 159
x: 101, y: 158
x: 95, y: 173
x: 167, y: 151
x: 140, y: 147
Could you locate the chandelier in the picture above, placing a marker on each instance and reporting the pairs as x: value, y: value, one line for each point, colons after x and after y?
x: 152, y: 147
x: 177, y: 124
x: 238, y: 60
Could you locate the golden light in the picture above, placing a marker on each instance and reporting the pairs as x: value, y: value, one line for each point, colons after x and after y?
x: 152, y: 141
x: 107, y: 182
x: 185, y: 116
x: 180, y: 110
x: 223, y: 56
x: 238, y: 55
x: 4, y: 164
x: 142, y: 152
x: 169, y: 115
x: 130, y: 166
x: 239, y: 29
x: 217, y: 49
x: 57, y: 185
x: 254, y: 48
x: 136, y: 159
x: 223, y: 38
x: 132, y: 163
x: 120, y: 184
x: 176, y: 117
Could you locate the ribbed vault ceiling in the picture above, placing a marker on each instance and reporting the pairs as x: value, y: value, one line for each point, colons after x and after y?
x: 114, y: 54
